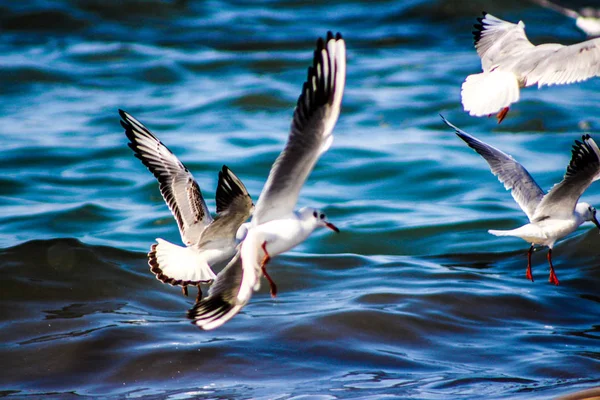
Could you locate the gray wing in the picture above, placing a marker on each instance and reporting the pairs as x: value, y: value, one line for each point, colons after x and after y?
x: 177, y: 185
x: 559, y: 65
x: 315, y: 116
x: 234, y: 207
x: 583, y: 169
x: 232, y: 288
x: 497, y: 40
x: 513, y: 175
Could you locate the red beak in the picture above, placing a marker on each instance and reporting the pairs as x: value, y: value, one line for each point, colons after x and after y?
x: 332, y: 227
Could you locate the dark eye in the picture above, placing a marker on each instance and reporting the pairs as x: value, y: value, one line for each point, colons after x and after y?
x: 315, y: 214
x: 322, y: 216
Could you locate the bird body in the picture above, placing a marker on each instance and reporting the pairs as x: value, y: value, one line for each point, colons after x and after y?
x: 283, y: 234
x: 547, y: 231
x: 208, y: 241
x: 552, y: 215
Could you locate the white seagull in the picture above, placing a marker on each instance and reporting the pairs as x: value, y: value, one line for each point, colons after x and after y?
x: 208, y: 241
x: 587, y: 19
x: 510, y: 61
x: 275, y: 226
x: 552, y: 215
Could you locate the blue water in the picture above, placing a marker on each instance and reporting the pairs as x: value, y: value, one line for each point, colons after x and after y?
x: 414, y: 299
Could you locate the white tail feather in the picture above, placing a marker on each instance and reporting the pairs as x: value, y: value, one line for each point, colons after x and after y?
x: 489, y: 92
x: 501, y: 233
x: 530, y: 233
x: 178, y: 265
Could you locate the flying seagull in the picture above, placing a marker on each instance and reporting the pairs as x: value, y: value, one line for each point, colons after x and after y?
x: 275, y: 226
x: 208, y: 241
x: 510, y: 61
x: 552, y: 215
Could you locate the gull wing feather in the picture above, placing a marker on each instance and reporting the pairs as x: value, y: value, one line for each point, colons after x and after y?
x: 513, y: 175
x: 560, y: 65
x: 583, y: 169
x: 232, y: 288
x: 315, y: 116
x: 234, y: 207
x: 177, y: 185
x: 496, y: 40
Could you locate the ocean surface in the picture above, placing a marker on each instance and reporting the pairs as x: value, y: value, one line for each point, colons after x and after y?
x: 413, y: 299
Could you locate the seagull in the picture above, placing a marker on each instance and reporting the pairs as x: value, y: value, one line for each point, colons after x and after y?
x: 552, y: 215
x: 510, y: 61
x: 275, y: 226
x: 208, y: 241
x: 587, y: 19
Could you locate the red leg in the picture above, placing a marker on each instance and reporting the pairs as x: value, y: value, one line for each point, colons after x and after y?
x: 502, y: 114
x: 184, y: 290
x: 528, y: 273
x: 553, y: 278
x: 267, y: 257
x: 263, y: 264
x: 199, y: 296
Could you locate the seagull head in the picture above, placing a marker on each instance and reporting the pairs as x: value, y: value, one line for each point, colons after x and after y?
x: 588, y: 213
x: 317, y: 217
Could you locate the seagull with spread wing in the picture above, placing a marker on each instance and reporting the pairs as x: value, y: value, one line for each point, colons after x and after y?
x: 510, y: 61
x: 552, y: 215
x: 275, y: 226
x: 208, y: 240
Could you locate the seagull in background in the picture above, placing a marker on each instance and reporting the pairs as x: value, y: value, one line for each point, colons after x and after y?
x: 208, y: 240
x: 587, y: 19
x: 510, y: 61
x: 552, y: 215
x: 275, y: 226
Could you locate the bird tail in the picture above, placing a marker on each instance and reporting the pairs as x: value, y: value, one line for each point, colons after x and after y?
x: 501, y: 233
x: 530, y: 233
x: 489, y: 92
x: 178, y: 265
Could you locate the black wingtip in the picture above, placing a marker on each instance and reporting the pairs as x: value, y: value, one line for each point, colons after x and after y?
x: 583, y: 156
x: 479, y: 28
x: 229, y: 188
x: 209, y: 310
x: 321, y: 43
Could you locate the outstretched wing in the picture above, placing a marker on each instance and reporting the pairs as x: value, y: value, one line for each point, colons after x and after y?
x: 315, y: 116
x: 583, y: 169
x: 231, y: 193
x: 234, y: 207
x: 496, y: 40
x: 554, y: 64
x: 232, y: 289
x: 513, y: 175
x: 177, y: 185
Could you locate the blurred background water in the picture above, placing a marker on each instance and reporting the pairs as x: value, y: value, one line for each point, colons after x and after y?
x: 414, y: 299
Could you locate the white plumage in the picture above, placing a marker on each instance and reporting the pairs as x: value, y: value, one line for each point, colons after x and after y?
x: 552, y: 215
x: 510, y: 61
